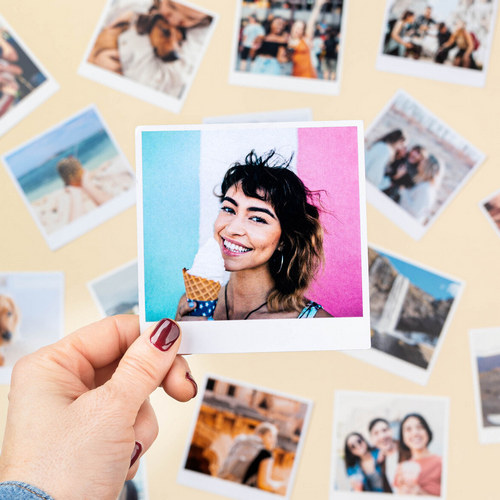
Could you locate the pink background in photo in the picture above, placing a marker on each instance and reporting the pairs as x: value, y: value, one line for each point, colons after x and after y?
x: 328, y: 160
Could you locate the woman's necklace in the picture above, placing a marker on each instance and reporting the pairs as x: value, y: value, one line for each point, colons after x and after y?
x: 248, y: 315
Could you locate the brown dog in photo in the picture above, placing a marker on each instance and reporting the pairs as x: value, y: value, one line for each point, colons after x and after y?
x: 9, y: 322
x: 165, y: 39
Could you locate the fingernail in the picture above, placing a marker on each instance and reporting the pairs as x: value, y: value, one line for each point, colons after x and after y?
x: 193, y: 381
x: 136, y: 453
x: 165, y: 334
x: 191, y: 303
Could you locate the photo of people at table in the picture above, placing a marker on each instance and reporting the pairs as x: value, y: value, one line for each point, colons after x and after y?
x: 450, y: 32
x: 390, y: 444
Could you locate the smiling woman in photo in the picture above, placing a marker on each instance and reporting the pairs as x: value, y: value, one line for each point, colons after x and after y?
x: 271, y: 241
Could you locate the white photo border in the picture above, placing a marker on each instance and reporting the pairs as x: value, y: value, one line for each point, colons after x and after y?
x: 227, y: 488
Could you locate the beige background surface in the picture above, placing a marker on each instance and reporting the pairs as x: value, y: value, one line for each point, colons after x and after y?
x: 461, y: 243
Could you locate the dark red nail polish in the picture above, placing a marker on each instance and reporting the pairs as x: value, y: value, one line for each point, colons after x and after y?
x: 165, y: 334
x: 193, y: 381
x: 136, y: 453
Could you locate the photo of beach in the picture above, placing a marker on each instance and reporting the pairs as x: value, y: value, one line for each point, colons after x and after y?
x: 245, y: 442
x: 410, y: 310
x: 72, y: 177
x: 23, y: 82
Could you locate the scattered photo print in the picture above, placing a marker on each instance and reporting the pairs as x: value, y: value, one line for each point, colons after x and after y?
x: 415, y: 164
x: 485, y: 357
x: 245, y: 441
x: 411, y: 308
x: 31, y: 315
x: 72, y: 177
x: 389, y: 444
x: 24, y: 83
x: 294, y: 46
x: 209, y: 249
x: 446, y: 40
x: 491, y: 208
x: 285, y: 115
x: 150, y: 49
x: 136, y: 488
x: 117, y: 291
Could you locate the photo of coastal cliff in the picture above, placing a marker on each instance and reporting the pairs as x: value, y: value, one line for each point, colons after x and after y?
x: 72, y: 177
x: 410, y: 310
x: 485, y: 361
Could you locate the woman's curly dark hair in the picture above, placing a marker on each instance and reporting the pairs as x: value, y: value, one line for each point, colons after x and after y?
x: 269, y: 178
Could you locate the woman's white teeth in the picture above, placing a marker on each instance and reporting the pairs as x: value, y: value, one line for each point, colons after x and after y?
x: 235, y: 248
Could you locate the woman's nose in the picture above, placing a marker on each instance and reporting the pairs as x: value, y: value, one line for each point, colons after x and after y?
x: 236, y: 226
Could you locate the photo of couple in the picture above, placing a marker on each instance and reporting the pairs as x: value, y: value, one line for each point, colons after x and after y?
x: 298, y: 42
x: 415, y: 164
x: 442, y: 35
x: 389, y: 444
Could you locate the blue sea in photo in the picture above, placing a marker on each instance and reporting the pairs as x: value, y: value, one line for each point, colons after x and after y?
x: 44, y: 179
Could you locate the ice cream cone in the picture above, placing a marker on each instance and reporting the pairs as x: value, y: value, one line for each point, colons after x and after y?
x: 203, y: 291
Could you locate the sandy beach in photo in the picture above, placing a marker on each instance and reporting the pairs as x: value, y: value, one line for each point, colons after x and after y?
x: 54, y: 210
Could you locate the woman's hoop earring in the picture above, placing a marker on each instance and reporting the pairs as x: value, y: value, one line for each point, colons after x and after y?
x: 281, y: 264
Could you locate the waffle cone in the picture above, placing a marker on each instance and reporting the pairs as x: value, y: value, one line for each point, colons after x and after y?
x: 200, y: 288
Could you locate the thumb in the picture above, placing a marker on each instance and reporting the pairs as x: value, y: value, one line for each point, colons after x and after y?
x: 145, y: 364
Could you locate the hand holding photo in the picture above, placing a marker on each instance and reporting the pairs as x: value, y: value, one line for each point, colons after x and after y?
x: 254, y: 454
x: 277, y: 212
x: 150, y: 49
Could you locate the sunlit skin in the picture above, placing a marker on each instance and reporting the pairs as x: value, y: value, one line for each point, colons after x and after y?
x: 415, y: 437
x: 381, y: 437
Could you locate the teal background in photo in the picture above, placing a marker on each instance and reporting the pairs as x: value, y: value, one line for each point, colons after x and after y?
x: 171, y: 216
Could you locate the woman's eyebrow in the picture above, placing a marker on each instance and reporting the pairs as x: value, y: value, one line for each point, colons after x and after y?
x: 258, y: 209
x: 230, y: 200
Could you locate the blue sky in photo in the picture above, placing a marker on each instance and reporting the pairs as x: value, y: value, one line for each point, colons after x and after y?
x: 58, y: 139
x: 434, y: 284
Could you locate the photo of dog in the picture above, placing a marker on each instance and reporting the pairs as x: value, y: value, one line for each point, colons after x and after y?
x: 10, y: 318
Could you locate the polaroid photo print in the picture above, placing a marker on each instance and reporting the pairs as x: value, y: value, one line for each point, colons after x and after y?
x: 150, y: 49
x: 245, y: 441
x: 72, y: 177
x: 485, y: 362
x: 392, y: 444
x: 490, y: 206
x: 117, y: 292
x: 445, y: 40
x: 411, y: 308
x: 285, y: 115
x: 285, y: 46
x: 24, y: 82
x: 415, y: 164
x: 290, y: 244
x: 31, y: 315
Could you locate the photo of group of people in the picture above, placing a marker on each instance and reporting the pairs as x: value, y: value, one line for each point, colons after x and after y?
x: 31, y: 315
x: 435, y: 38
x: 289, y: 45
x: 72, y: 177
x: 415, y: 164
x: 245, y: 441
x: 411, y: 307
x: 251, y: 208
x: 485, y: 361
x: 389, y: 443
x: 24, y: 83
x: 150, y: 49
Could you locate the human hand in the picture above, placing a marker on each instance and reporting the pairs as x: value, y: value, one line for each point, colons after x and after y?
x: 186, y: 306
x: 79, y: 415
